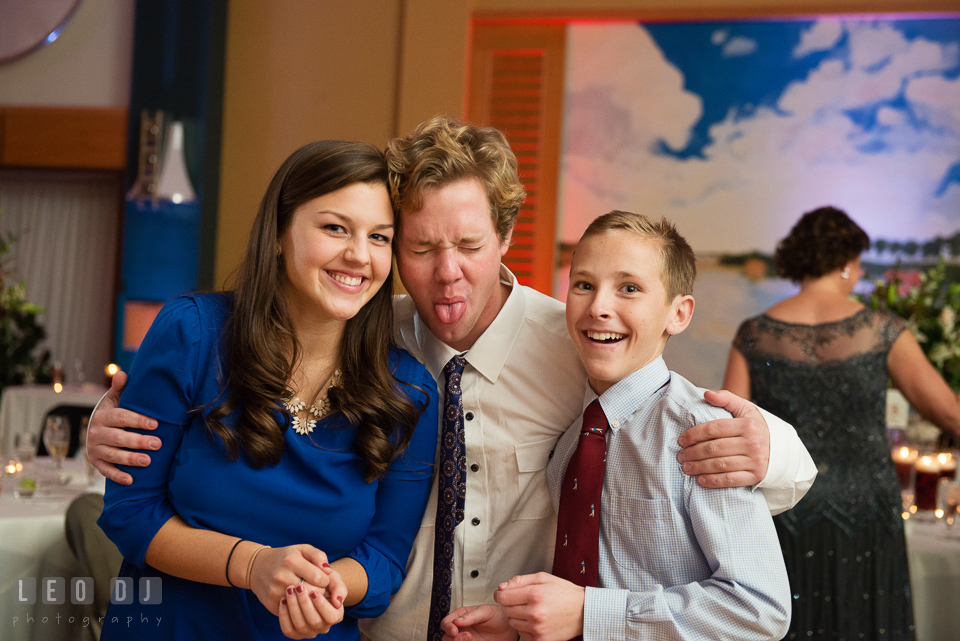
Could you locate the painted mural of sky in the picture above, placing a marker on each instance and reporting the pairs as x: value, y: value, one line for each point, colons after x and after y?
x: 760, y: 121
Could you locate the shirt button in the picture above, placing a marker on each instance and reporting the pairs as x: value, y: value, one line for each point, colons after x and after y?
x: 615, y: 423
x: 475, y: 521
x: 474, y: 574
x: 474, y: 468
x: 468, y: 416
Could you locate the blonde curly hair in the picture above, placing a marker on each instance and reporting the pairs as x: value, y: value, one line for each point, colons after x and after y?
x: 441, y: 151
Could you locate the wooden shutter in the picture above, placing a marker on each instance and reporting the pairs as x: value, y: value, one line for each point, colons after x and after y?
x: 516, y: 85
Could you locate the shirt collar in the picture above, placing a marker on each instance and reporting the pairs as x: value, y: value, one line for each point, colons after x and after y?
x: 490, y: 351
x: 624, y: 398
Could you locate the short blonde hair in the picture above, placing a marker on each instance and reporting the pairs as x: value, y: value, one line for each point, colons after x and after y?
x: 678, y: 263
x: 441, y: 151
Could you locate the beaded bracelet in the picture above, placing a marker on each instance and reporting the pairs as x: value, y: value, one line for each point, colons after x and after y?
x: 230, y: 556
x: 250, y: 564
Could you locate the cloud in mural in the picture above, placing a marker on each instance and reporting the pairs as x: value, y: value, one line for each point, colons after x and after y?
x: 614, y: 117
x: 739, y: 46
x: 873, y: 127
x: 611, y: 110
x: 823, y: 36
x: 719, y: 36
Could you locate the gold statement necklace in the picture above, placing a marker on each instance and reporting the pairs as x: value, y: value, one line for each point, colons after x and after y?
x: 317, y: 410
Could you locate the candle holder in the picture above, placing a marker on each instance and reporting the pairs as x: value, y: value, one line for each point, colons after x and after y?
x: 927, y: 474
x: 16, y: 479
x: 904, y: 460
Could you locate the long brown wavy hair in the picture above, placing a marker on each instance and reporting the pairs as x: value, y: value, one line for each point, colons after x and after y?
x: 261, y: 347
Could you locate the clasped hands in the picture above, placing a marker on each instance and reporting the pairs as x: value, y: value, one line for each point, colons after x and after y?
x: 540, y: 607
x: 306, y: 607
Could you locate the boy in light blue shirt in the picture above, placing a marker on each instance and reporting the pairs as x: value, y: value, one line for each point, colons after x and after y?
x: 676, y: 560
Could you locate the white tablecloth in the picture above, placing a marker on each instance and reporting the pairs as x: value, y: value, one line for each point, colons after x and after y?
x: 934, y: 556
x: 32, y: 544
x: 23, y: 407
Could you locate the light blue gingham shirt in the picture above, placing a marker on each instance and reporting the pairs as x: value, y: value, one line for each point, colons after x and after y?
x: 677, y: 561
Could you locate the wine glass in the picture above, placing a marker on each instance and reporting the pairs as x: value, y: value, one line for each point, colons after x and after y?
x: 25, y: 444
x: 56, y: 438
x: 948, y: 500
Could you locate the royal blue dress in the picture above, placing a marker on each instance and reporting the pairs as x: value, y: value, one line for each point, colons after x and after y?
x: 315, y: 495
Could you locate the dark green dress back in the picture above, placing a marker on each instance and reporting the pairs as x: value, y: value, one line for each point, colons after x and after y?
x: 843, y: 543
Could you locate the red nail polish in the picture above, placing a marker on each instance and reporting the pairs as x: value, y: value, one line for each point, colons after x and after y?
x: 290, y: 591
x: 325, y: 566
x: 340, y: 600
x: 314, y: 595
x: 283, y: 601
x: 300, y: 589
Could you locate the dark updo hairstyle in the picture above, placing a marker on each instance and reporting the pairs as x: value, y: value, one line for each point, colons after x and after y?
x: 261, y: 346
x: 822, y: 241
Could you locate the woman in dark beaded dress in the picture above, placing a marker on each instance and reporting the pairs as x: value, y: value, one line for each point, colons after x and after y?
x: 821, y: 361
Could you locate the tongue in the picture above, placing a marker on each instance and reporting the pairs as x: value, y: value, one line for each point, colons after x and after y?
x: 450, y: 313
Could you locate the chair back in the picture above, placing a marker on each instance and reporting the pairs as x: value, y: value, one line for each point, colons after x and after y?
x: 75, y: 415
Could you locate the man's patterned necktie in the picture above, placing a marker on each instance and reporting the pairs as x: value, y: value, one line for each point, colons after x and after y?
x: 451, y: 491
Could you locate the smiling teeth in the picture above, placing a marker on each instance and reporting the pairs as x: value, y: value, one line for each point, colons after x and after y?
x: 347, y: 280
x: 605, y: 336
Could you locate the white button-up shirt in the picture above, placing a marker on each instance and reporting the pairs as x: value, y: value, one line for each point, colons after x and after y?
x: 523, y: 384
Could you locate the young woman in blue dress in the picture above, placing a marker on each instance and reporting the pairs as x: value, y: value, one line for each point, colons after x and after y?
x: 297, y: 440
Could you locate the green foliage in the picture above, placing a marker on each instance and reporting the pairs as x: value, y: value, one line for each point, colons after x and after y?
x: 20, y: 332
x: 929, y: 303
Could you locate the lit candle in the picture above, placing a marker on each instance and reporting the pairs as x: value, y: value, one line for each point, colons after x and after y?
x: 903, y: 459
x: 903, y: 454
x: 109, y: 371
x: 948, y: 465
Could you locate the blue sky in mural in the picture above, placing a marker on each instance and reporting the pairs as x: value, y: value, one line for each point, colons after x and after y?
x: 734, y: 66
x: 766, y: 119
x: 737, y: 66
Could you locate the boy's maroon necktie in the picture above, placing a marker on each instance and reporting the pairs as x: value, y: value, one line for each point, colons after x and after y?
x: 577, y: 554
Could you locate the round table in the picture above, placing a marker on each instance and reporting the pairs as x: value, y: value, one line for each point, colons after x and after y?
x: 32, y: 545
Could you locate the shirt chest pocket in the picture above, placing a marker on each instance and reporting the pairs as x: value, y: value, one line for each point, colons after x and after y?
x: 533, y: 494
x: 643, y: 534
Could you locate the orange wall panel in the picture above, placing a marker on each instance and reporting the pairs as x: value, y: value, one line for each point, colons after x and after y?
x: 63, y: 138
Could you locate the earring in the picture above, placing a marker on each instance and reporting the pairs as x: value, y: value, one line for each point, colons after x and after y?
x: 845, y: 273
x: 278, y: 250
